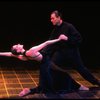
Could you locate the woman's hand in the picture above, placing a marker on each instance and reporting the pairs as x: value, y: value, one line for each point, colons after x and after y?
x: 63, y: 37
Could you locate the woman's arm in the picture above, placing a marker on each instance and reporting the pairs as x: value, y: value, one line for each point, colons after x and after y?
x: 9, y: 54
x: 49, y: 42
x: 42, y: 45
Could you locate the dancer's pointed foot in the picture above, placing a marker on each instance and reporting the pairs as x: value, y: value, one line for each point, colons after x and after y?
x: 82, y: 87
x: 24, y: 92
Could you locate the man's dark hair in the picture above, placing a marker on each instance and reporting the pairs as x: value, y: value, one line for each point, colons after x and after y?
x: 57, y: 13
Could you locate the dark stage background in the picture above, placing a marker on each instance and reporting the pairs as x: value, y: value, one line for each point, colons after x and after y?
x: 29, y: 23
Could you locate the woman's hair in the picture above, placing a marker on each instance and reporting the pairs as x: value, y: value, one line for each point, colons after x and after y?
x: 14, y: 51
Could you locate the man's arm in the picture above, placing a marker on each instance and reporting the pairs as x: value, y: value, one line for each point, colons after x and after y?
x: 74, y: 36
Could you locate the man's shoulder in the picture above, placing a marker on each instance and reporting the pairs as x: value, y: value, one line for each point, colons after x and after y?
x: 67, y: 23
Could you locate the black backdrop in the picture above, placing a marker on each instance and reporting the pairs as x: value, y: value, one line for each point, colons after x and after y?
x: 28, y: 22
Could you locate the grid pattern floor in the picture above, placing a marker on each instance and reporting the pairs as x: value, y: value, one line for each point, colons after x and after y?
x: 14, y: 79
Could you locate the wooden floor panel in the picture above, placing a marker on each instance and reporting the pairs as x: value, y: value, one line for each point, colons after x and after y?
x: 13, y: 80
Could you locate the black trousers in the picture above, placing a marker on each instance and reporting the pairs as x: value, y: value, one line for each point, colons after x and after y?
x: 70, y: 57
x: 54, y: 80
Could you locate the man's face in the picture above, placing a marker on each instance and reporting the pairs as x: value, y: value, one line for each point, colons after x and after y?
x: 54, y: 20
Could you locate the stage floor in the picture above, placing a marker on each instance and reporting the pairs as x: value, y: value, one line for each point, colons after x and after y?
x: 14, y: 79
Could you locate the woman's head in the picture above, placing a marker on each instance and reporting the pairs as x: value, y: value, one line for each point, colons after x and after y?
x: 17, y: 49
